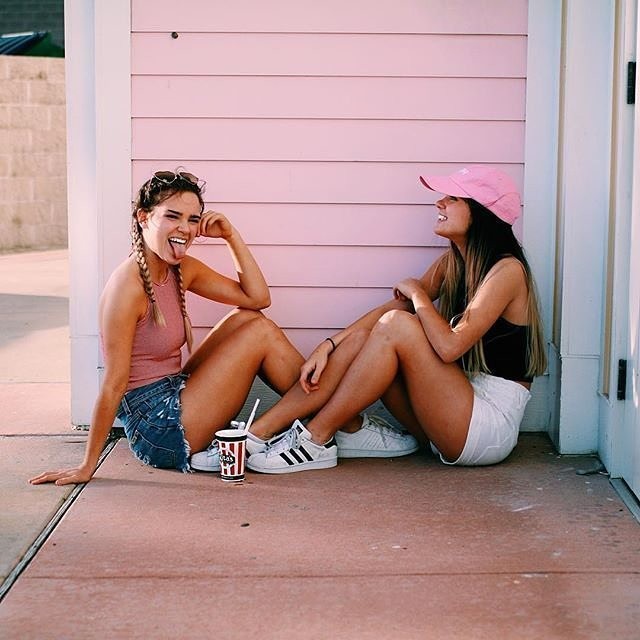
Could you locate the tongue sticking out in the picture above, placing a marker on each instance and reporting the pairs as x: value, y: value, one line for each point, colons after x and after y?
x: 179, y: 248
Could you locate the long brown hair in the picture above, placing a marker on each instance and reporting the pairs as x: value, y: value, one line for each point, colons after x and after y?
x: 152, y: 193
x: 489, y: 239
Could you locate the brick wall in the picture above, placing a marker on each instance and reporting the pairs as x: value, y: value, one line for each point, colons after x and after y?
x: 33, y: 187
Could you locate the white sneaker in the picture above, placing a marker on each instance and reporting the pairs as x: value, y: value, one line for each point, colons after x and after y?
x: 295, y: 451
x: 375, y: 439
x: 208, y: 460
x: 255, y: 444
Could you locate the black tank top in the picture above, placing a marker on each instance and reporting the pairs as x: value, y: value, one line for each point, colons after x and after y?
x: 505, y: 350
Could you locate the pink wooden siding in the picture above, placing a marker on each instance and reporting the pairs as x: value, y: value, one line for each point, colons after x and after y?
x: 311, y: 122
x: 333, y: 16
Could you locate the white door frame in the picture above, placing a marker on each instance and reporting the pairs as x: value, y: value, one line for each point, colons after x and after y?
x: 626, y: 452
x: 616, y: 429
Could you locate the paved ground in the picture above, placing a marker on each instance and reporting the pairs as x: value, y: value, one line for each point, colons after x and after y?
x: 374, y: 549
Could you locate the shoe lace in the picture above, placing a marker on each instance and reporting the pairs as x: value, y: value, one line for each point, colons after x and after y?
x: 290, y: 440
x: 383, y: 427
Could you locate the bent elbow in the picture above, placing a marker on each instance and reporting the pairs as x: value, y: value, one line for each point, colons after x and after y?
x: 447, y: 356
x: 260, y: 303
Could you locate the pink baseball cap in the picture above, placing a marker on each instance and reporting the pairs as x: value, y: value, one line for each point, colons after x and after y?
x: 490, y: 187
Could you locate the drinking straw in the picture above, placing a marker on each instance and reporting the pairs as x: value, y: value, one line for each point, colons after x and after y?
x: 252, y: 415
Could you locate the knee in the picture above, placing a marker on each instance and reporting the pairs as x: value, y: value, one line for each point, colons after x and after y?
x: 263, y: 325
x: 259, y: 322
x: 396, y: 320
x: 397, y: 325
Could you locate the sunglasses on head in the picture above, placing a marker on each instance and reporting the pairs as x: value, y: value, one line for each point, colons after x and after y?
x: 169, y: 177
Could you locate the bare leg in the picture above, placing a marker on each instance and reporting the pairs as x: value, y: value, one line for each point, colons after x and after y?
x: 219, y: 383
x: 225, y: 327
x: 297, y: 404
x: 441, y: 396
x: 396, y: 400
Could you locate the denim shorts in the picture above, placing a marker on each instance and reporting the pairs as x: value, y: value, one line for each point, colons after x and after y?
x: 151, y: 418
x: 498, y: 408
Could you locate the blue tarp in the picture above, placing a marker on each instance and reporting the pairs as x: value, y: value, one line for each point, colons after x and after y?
x: 16, y: 43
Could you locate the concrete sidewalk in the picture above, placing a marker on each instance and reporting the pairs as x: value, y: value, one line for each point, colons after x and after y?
x: 401, y: 548
x: 35, y: 425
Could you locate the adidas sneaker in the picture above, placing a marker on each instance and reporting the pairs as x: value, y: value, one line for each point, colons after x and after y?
x: 294, y: 451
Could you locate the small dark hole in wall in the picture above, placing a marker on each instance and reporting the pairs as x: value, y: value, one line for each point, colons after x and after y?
x: 174, y: 34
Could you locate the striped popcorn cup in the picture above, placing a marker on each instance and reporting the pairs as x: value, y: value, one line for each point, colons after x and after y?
x: 232, y: 444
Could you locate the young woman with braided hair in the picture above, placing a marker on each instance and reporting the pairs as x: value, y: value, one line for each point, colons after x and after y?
x: 170, y: 411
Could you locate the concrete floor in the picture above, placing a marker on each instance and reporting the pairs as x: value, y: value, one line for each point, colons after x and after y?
x: 402, y: 548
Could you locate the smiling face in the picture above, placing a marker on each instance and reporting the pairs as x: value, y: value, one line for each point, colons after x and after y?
x: 454, y: 219
x: 171, y: 226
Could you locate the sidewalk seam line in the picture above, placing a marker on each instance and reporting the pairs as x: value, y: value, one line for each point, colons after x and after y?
x: 48, y: 529
x: 437, y: 574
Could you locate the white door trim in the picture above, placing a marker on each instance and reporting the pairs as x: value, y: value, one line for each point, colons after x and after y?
x: 614, y: 444
x: 627, y: 451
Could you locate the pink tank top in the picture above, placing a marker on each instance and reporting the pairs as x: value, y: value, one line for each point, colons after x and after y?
x: 156, y: 350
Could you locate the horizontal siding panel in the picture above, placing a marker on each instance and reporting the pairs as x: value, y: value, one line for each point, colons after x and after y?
x: 355, y: 267
x: 311, y: 122
x: 342, y: 140
x: 342, y: 225
x: 314, y: 182
x: 401, y: 16
x: 335, y: 225
x: 301, y: 308
x: 203, y: 54
x: 359, y: 98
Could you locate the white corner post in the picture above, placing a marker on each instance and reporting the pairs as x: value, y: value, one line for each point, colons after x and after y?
x: 97, y: 43
x: 81, y: 206
x: 584, y: 157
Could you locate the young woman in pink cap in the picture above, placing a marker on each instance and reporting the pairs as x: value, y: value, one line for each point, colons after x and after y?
x: 457, y: 375
x: 170, y: 411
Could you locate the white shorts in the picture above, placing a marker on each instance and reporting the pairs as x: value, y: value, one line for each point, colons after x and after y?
x: 498, y: 407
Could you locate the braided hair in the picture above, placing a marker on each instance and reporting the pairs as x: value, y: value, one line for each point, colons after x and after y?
x: 152, y: 193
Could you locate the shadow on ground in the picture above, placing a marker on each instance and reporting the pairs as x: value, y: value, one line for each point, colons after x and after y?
x: 22, y: 314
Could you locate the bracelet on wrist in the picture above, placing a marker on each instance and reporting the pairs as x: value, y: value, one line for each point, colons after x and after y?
x: 333, y: 344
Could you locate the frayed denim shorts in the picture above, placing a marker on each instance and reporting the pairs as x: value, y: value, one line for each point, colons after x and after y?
x: 498, y: 409
x: 151, y: 416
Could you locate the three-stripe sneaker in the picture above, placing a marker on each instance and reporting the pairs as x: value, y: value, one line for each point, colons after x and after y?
x: 295, y: 451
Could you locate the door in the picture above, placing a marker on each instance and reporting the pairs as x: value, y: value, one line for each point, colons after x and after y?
x: 627, y: 445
